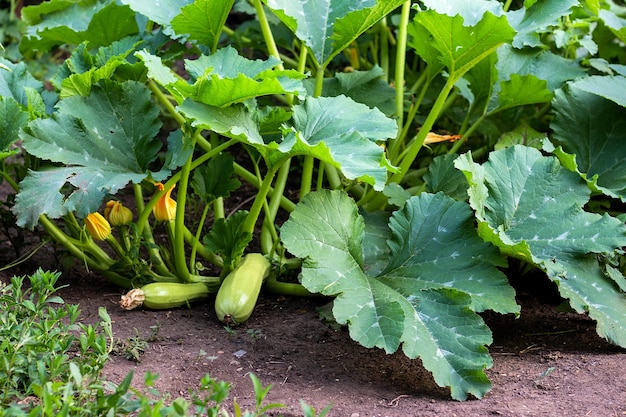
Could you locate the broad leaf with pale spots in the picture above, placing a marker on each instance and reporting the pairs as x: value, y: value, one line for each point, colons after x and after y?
x: 532, y: 209
x: 438, y: 274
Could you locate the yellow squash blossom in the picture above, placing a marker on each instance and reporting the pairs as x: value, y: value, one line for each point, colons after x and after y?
x: 97, y: 226
x: 117, y: 214
x: 165, y: 208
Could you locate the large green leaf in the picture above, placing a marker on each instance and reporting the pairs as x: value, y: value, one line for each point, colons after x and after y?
x: 12, y: 119
x: 434, y: 245
x: 523, y: 134
x: 439, y: 271
x: 203, y: 20
x: 529, y: 76
x: 16, y: 81
x: 344, y: 133
x: 234, y: 121
x: 532, y: 208
x: 592, y: 128
x: 328, y: 128
x: 329, y: 26
x: 442, y: 176
x: 224, y: 78
x: 367, y: 87
x: 471, y: 11
x: 108, y: 138
x: 609, y: 87
x: 375, y: 247
x: 83, y: 69
x: 458, y: 47
x: 531, y: 22
x: 616, y: 23
x: 541, y: 63
x: 520, y: 90
x: 96, y: 22
x: 163, y: 14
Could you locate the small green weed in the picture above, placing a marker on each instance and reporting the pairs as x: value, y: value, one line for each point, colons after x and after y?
x: 51, y: 365
x: 310, y: 411
x: 39, y: 339
x: 133, y: 348
x: 255, y: 333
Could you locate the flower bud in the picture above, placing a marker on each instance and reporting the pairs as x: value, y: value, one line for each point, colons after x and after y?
x: 117, y: 214
x: 165, y: 208
x: 97, y: 226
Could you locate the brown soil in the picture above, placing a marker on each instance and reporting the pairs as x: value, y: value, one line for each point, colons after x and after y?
x: 546, y: 363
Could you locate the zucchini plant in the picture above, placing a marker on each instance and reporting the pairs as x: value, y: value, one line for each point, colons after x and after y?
x: 415, y: 148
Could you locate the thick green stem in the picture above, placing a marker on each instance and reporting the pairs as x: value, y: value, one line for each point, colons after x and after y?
x: 269, y: 236
x: 279, y: 189
x: 9, y: 179
x: 383, y: 32
x: 119, y: 251
x: 304, y: 52
x: 332, y: 176
x: 306, y: 181
x: 287, y: 288
x: 396, y: 145
x: 218, y: 208
x: 180, y: 260
x: 166, y: 103
x: 415, y: 147
x: 117, y: 279
x: 376, y: 200
x: 194, y: 248
x: 266, y: 31
x: 231, y: 33
x: 400, y: 66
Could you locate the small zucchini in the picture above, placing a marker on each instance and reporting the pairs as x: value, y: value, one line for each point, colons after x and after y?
x: 240, y: 290
x: 164, y: 295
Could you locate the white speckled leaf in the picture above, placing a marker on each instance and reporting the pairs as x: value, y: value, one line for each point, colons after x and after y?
x: 224, y: 78
x: 420, y: 300
x: 342, y: 132
x: 532, y: 208
x: 328, y: 26
x: 108, y: 138
x: 591, y: 127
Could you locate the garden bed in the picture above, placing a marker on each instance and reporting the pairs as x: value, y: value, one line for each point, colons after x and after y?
x: 427, y: 165
x: 546, y: 362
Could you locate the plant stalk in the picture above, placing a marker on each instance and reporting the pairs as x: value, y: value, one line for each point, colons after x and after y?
x: 415, y: 147
x: 400, y: 67
x: 180, y: 260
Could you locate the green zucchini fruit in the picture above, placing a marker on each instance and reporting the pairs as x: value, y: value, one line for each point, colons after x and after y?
x: 165, y: 295
x: 240, y: 290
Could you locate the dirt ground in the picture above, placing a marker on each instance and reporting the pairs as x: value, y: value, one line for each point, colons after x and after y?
x: 546, y: 363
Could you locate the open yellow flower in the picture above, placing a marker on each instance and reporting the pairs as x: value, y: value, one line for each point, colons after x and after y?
x: 165, y: 208
x: 97, y: 226
x: 117, y: 214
